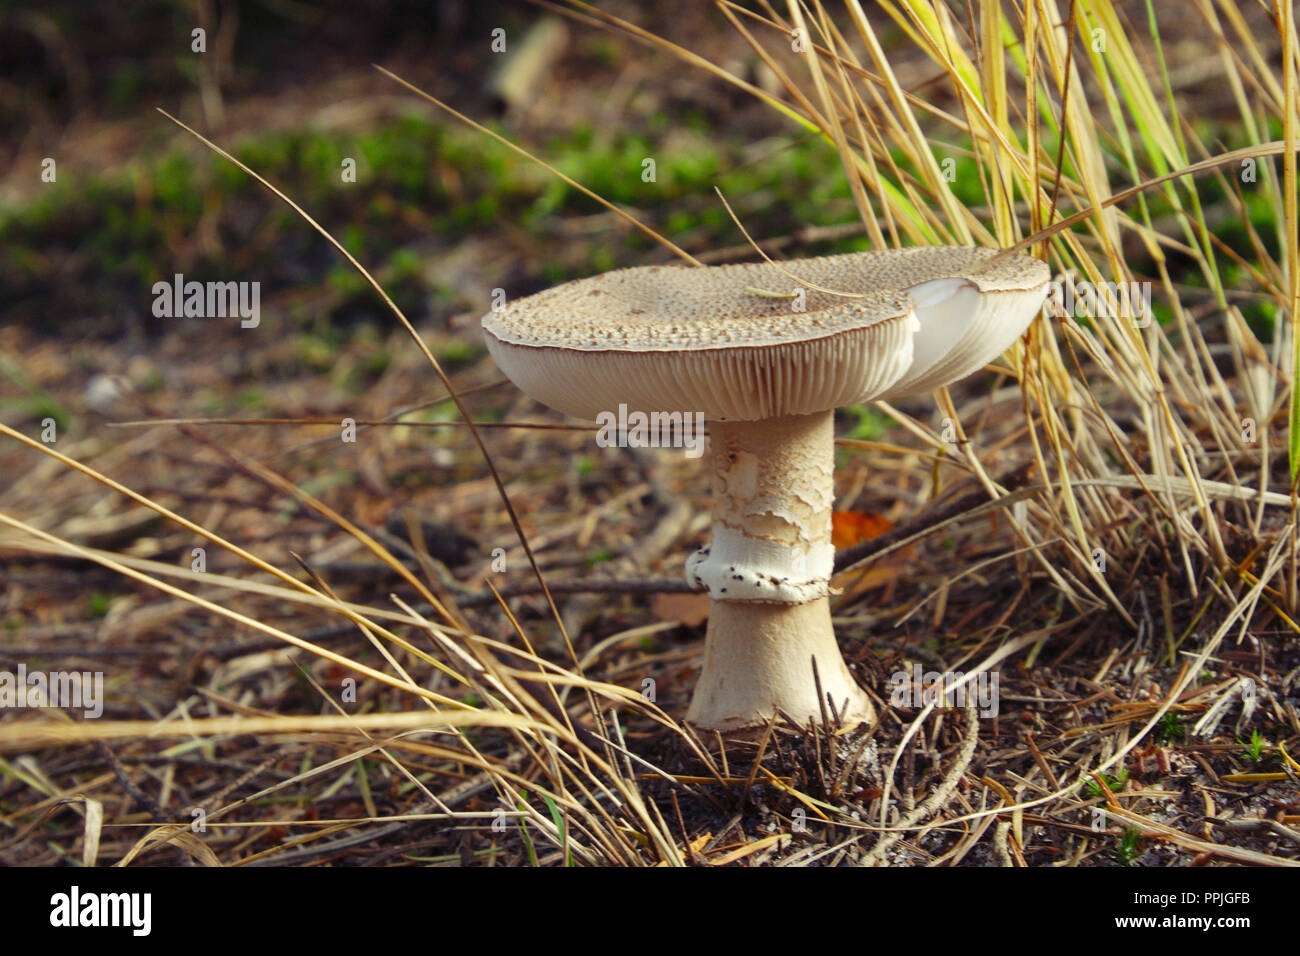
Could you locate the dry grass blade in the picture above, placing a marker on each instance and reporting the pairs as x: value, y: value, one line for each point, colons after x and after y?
x: 27, y: 735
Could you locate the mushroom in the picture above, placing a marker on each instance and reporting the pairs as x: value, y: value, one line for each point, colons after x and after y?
x: 767, y: 364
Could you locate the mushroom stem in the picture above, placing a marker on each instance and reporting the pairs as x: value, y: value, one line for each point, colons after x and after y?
x: 768, y: 570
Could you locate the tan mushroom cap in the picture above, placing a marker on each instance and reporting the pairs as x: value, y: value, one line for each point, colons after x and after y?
x: 670, y: 338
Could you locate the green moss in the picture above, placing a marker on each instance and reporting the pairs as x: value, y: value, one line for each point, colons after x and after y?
x: 315, y: 353
x: 458, y: 351
x: 870, y: 423
x: 44, y: 406
x: 250, y: 399
x: 102, y: 242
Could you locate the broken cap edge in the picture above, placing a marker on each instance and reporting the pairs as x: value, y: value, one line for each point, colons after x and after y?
x: 970, y: 326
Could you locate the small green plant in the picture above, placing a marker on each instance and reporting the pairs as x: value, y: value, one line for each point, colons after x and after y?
x: 99, y: 603
x: 1128, y: 848
x: 1254, y: 751
x: 1115, y: 782
x: 523, y: 831
x: 1169, y: 728
x: 558, y: 819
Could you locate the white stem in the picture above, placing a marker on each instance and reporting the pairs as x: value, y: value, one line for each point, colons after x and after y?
x: 758, y: 662
x: 768, y: 572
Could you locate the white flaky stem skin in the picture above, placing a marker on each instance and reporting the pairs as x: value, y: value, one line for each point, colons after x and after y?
x: 768, y: 572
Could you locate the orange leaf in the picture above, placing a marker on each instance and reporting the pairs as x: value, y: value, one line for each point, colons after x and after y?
x: 853, y: 527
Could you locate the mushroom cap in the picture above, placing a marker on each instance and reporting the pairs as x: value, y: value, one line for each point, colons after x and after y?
x: 670, y: 338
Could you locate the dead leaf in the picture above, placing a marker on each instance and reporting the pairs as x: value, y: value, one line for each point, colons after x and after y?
x: 695, y: 846
x: 853, y: 527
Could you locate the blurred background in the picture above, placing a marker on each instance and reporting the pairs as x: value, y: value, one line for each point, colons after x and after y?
x: 440, y: 212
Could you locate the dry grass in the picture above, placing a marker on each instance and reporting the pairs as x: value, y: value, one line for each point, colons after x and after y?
x: 1124, y: 588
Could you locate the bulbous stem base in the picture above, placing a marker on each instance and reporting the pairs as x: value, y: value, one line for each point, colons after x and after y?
x: 758, y: 664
